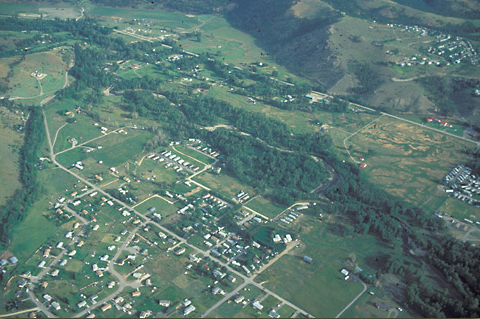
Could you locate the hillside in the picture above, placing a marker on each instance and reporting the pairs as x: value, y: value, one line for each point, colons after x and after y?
x: 333, y: 43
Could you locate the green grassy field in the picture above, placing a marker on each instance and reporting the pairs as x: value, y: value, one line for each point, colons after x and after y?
x: 265, y: 207
x: 223, y: 184
x: 150, y: 168
x: 82, y: 131
x: 319, y: 288
x: 116, y: 149
x: 460, y: 210
x: 62, y: 10
x: 364, y: 307
x: 162, y: 207
x: 9, y: 157
x: 195, y: 154
x: 22, y: 84
x: 167, y: 19
x: 35, y: 228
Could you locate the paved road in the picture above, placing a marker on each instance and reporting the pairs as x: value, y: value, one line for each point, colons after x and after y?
x: 96, y: 188
x: 356, y: 298
x: 122, y: 282
x: 405, y: 120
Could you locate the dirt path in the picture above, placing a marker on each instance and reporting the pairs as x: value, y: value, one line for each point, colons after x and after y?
x: 81, y: 14
x: 353, y: 134
x: 198, y: 26
x: 19, y: 312
x: 56, y: 134
x: 289, y: 247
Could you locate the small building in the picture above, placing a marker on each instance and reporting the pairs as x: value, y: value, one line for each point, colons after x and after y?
x: 13, y: 260
x: 257, y: 305
x: 81, y: 304
x: 47, y: 297
x: 54, y: 273
x: 179, y: 251
x: 307, y: 259
x: 239, y: 299
x: 56, y: 305
x: 273, y: 314
x: 136, y: 293
x: 188, y: 310
x: 106, y: 307
x: 164, y: 303
x: 21, y: 283
x: 42, y: 264
x: 344, y: 272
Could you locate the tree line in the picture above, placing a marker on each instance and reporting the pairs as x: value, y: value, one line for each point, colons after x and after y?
x: 18, y: 206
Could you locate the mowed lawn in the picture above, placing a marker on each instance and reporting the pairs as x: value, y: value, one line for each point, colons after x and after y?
x: 320, y: 288
x: 265, y: 207
x: 406, y: 160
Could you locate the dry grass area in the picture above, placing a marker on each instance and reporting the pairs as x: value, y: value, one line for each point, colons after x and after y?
x: 407, y: 160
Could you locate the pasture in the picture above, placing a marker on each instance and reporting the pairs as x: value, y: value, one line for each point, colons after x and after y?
x: 23, y: 84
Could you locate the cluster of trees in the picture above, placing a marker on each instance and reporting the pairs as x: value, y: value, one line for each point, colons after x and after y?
x: 207, y: 111
x: 336, y: 105
x: 371, y: 209
x: 460, y: 264
x: 19, y: 204
x: 86, y: 28
x: 439, y: 92
x: 367, y: 77
x: 253, y: 162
